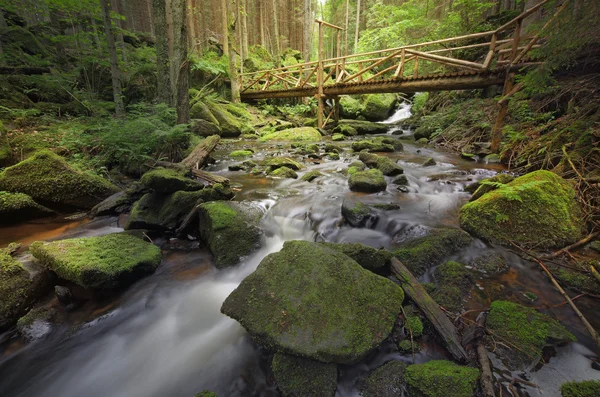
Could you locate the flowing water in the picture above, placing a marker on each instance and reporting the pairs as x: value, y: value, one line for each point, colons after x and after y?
x: 165, y: 335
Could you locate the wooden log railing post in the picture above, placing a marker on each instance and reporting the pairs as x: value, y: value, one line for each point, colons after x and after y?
x: 416, y: 71
x: 336, y: 108
x: 320, y: 95
x: 517, y: 37
x: 490, y: 55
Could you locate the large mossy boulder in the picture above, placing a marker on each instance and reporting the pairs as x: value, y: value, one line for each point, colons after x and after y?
x: 19, y: 290
x: 385, y: 381
x: 202, y: 111
x: 538, y: 209
x: 156, y: 211
x: 204, y: 128
x: 104, y: 262
x: 230, y: 230
x: 163, y: 180
x: 378, y: 107
x: 368, y: 257
x: 421, y: 253
x: 440, y: 378
x: 48, y: 179
x: 489, y: 184
x: 370, y: 181
x: 527, y: 332
x: 300, y: 134
x: 351, y: 107
x: 315, y: 302
x: 19, y: 207
x: 230, y: 126
x: 365, y: 127
x: 302, y: 377
x: 586, y: 388
x: 358, y: 214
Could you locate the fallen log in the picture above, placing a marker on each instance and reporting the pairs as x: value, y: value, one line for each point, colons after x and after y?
x: 486, y: 380
x: 210, y: 178
x: 23, y: 70
x: 430, y: 308
x: 197, y: 159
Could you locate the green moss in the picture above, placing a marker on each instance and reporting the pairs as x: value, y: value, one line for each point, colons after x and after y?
x: 312, y: 301
x: 345, y: 130
x: 277, y: 162
x: 47, y: 178
x: 586, y: 388
x: 300, y: 134
x: 230, y: 229
x: 283, y: 172
x: 241, y: 153
x: 370, y: 181
x: 206, y: 393
x: 201, y: 111
x: 489, y: 184
x: 355, y: 167
x: 525, y: 330
x: 378, y: 106
x: 168, y: 181
x: 103, y: 262
x: 311, y: 176
x: 415, y: 325
x: 439, y: 377
x: 538, y: 209
x: 579, y: 281
x: 421, y: 253
x: 230, y: 126
x: 365, y: 127
x: 489, y: 264
x: 351, y: 106
x: 388, y: 167
x: 406, y: 346
x: 385, y: 381
x: 301, y: 377
x: 454, y: 281
x: 368, y: 257
x: 18, y: 207
x: 372, y: 146
x: 337, y: 137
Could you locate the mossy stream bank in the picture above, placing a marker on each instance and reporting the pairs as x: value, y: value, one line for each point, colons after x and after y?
x: 165, y: 334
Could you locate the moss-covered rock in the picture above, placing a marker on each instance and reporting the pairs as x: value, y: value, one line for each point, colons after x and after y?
x: 385, y: 381
x: 524, y: 333
x: 487, y: 185
x: 577, y: 277
x: 204, y: 128
x: 19, y: 207
x: 230, y: 126
x: 406, y: 346
x: 370, y: 181
x: 47, y: 178
x: 538, y: 209
x: 372, y: 146
x: 311, y: 176
x: 241, y: 153
x: 378, y: 106
x: 345, y: 130
x: 104, y: 262
x: 489, y: 264
x: 414, y: 325
x: 440, y: 378
x: 337, y: 137
x: 454, y: 281
x: 300, y: 134
x: 163, y: 180
x: 351, y: 107
x: 230, y: 230
x: 421, y: 253
x: 283, y: 172
x: 388, y: 167
x: 301, y: 377
x: 429, y: 162
x: 401, y: 180
x: 368, y: 257
x: 18, y: 288
x: 365, y: 127
x: 36, y: 324
x: 358, y: 214
x: 586, y: 388
x: 277, y: 162
x: 202, y: 111
x: 312, y: 301
x: 355, y: 167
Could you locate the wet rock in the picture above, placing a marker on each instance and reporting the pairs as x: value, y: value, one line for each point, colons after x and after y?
x: 345, y: 130
x: 378, y: 107
x: 311, y: 176
x: 365, y: 127
x: 337, y: 137
x: 117, y: 203
x: 407, y: 347
x: 19, y: 207
x: 19, y: 289
x: 230, y: 230
x: 311, y: 301
x: 438, y: 378
x: 48, y: 179
x: 155, y: 211
x: 586, y: 388
x: 403, y: 189
x: 247, y: 165
x: 301, y: 377
x: 492, y: 159
x: 368, y: 257
x: 372, y: 146
x: 489, y: 264
x: 385, y: 381
x: 388, y: 167
x: 36, y: 324
x: 538, y: 209
x: 358, y: 214
x: 420, y: 253
x: 163, y: 180
x: 454, y: 281
x: 429, y: 162
x: 241, y: 153
x: 355, y: 167
x: 527, y: 330
x: 300, y: 134
x: 400, y: 180
x: 104, y: 262
x: 579, y: 279
x: 283, y: 172
x: 204, y: 128
x: 370, y: 181
x: 277, y: 162
x: 64, y: 295
x: 487, y: 185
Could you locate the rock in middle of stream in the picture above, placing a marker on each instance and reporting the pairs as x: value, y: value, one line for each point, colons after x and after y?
x: 311, y: 301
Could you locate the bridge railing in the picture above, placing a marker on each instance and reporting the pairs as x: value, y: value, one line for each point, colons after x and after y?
x: 506, y: 46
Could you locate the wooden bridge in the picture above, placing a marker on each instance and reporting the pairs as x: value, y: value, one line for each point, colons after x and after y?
x: 429, y: 66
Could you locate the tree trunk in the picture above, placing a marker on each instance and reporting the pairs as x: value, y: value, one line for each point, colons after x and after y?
x: 308, y: 21
x: 357, y: 26
x: 347, y: 26
x: 225, y: 32
x: 2, y: 25
x: 181, y: 70
x: 261, y: 11
x: 276, y: 47
x: 163, y: 76
x: 114, y: 61
x: 244, y: 22
x: 233, y: 56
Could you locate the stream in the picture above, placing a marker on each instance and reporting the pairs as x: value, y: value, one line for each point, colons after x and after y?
x: 165, y: 335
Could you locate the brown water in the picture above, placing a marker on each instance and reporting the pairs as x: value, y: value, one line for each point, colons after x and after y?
x: 165, y: 336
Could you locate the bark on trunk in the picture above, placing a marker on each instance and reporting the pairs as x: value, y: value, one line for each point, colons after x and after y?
x: 181, y: 70
x: 199, y: 156
x: 163, y: 76
x: 225, y: 32
x: 114, y: 61
x: 276, y: 47
x: 357, y: 26
x: 308, y: 21
x: 233, y: 56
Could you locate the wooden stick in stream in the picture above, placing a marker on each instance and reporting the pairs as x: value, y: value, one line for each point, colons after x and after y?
x: 432, y: 311
x: 486, y: 379
x: 578, y: 244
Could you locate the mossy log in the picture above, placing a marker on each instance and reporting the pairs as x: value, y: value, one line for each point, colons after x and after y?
x: 432, y: 311
x: 199, y: 155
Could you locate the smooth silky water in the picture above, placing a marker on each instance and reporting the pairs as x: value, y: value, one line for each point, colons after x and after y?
x: 165, y: 335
